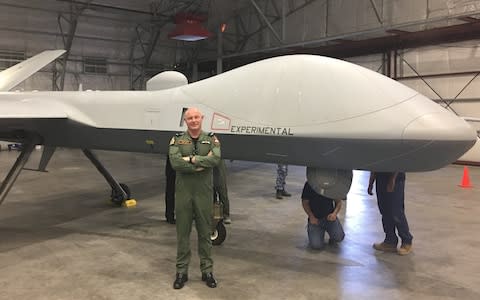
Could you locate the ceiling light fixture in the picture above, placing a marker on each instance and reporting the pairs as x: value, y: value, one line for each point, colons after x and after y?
x: 189, y: 28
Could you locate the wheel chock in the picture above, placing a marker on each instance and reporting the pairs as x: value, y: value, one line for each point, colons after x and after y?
x: 129, y: 203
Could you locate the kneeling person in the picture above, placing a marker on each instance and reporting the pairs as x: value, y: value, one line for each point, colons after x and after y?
x: 322, y: 216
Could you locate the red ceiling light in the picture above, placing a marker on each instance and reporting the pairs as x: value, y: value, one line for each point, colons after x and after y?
x: 189, y: 28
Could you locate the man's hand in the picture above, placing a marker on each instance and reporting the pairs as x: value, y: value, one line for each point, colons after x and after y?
x: 190, y: 160
x: 314, y: 220
x: 332, y: 217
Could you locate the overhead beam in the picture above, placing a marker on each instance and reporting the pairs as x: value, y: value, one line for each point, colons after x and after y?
x: 455, y: 33
x: 82, y: 37
x: 469, y: 19
x: 397, y: 31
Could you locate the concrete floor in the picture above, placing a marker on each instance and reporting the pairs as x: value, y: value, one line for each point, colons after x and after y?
x: 61, y: 240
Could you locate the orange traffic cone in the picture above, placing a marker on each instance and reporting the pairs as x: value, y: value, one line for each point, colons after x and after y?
x: 465, y: 179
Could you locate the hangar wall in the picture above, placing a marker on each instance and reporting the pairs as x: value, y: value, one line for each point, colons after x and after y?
x: 462, y: 87
x: 32, y: 26
x: 447, y: 74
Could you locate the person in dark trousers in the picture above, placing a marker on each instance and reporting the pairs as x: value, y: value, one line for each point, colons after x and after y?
x: 322, y: 216
x: 170, y: 192
x: 390, y: 188
x: 193, y: 155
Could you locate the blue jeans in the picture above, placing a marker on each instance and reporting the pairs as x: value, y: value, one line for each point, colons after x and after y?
x: 392, y: 208
x: 316, y: 233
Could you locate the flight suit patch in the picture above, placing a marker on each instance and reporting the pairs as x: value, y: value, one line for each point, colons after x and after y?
x: 172, y: 141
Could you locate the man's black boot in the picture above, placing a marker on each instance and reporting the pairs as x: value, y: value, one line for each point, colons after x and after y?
x: 285, y: 193
x: 180, y: 280
x: 209, y: 279
x: 279, y: 194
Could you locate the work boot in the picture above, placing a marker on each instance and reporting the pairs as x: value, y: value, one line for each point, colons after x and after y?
x: 332, y: 242
x: 285, y: 193
x: 404, y: 249
x: 209, y: 279
x: 180, y: 280
x: 385, y: 247
x: 279, y: 194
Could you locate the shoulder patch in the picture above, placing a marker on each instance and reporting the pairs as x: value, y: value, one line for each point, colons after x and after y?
x: 172, y: 141
x: 214, y: 138
x: 179, y: 134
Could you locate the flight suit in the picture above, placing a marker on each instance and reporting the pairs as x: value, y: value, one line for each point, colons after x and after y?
x: 193, y: 195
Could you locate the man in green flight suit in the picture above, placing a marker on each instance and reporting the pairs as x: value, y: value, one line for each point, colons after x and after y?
x: 193, y: 154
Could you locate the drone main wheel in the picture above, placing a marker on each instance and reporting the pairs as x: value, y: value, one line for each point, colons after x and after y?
x: 219, y: 234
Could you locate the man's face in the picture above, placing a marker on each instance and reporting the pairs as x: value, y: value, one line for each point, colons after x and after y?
x: 193, y: 118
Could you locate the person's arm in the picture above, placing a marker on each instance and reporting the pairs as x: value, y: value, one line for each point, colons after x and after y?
x: 211, y: 159
x: 179, y: 163
x: 308, y: 211
x: 391, y: 182
x: 338, y: 206
x: 370, y: 182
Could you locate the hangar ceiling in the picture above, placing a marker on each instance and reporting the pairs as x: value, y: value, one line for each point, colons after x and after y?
x: 254, y: 29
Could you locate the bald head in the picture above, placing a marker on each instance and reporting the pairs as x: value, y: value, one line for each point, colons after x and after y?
x: 192, y: 110
x: 193, y: 117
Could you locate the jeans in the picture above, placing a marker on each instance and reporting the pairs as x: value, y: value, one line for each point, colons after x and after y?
x: 316, y: 233
x: 392, y: 208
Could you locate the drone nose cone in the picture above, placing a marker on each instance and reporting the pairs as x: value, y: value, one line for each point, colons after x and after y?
x: 441, y: 138
x: 440, y: 126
